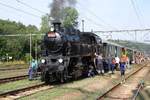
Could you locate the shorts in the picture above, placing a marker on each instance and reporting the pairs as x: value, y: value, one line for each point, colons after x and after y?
x: 122, y: 72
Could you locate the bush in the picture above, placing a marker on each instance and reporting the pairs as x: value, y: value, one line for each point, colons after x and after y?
x: 27, y: 58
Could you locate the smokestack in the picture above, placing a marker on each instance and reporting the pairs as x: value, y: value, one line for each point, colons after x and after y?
x: 57, y: 26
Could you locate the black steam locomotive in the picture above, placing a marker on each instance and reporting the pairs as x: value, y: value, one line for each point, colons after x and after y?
x: 68, y: 53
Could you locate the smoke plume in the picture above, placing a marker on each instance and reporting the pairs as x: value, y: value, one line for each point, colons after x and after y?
x: 57, y: 7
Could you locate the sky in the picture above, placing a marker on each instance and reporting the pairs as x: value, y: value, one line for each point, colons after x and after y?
x: 97, y: 15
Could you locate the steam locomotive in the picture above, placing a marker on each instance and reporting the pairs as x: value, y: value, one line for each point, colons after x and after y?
x: 68, y: 53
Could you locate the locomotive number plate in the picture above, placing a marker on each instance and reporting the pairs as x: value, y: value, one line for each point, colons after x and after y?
x: 51, y: 34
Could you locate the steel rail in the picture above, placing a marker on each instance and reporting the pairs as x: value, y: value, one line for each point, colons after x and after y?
x: 4, y: 69
x: 10, y: 79
x: 118, y: 84
x: 140, y: 86
x: 13, y: 92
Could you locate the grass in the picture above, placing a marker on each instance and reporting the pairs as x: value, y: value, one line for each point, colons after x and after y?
x: 80, y: 87
x: 58, y: 92
x: 74, y: 87
x: 49, y: 94
x: 17, y: 85
x: 11, y: 65
x: 12, y: 73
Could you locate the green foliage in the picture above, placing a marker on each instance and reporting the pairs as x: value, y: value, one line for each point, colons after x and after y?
x: 45, y: 24
x: 8, y: 27
x: 70, y: 16
x: 27, y: 57
x: 16, y: 47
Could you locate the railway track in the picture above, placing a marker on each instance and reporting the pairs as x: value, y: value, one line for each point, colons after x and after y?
x: 25, y: 91
x: 119, y: 84
x: 15, y: 78
x: 10, y: 79
x: 6, y: 69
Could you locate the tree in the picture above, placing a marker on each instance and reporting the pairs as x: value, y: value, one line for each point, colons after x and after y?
x: 70, y: 16
x: 45, y: 27
x: 17, y: 47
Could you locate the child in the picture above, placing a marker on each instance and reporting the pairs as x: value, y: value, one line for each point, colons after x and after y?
x: 113, y: 65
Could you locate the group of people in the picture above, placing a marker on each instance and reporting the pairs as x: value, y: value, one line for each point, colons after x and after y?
x: 112, y: 63
x: 139, y: 57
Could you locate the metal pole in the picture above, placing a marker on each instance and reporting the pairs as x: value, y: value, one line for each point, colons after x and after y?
x: 82, y: 25
x: 30, y: 48
x: 36, y: 50
x: 135, y: 36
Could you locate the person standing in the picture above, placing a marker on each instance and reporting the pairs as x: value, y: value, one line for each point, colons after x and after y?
x: 113, y: 65
x: 99, y: 64
x: 35, y: 67
x: 30, y: 72
x: 32, y: 69
x: 122, y: 68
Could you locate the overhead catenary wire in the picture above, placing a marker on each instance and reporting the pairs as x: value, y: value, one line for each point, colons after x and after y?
x: 146, y: 36
x: 29, y: 6
x: 99, y: 18
x: 137, y: 30
x: 140, y: 12
x: 19, y: 10
x: 92, y: 21
x: 136, y: 13
x: 138, y: 18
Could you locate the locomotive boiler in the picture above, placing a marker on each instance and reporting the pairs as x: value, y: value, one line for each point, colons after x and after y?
x: 67, y: 53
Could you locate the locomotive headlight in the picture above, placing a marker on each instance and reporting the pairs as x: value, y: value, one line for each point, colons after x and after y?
x: 52, y: 28
x: 60, y: 60
x: 43, y: 61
